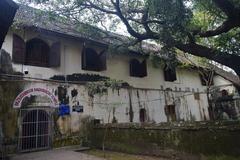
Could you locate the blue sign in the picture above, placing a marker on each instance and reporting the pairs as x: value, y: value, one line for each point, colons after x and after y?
x: 64, y: 109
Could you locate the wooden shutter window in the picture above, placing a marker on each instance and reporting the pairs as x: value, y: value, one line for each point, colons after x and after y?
x: 83, y: 58
x: 134, y: 67
x: 170, y: 112
x: 170, y: 74
x: 19, y: 49
x: 103, y: 60
x: 138, y: 69
x: 92, y: 61
x: 37, y: 53
x: 55, y: 55
x: 144, y: 69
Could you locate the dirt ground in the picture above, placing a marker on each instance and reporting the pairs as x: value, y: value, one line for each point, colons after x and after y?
x: 68, y: 154
x: 72, y: 154
x: 120, y: 156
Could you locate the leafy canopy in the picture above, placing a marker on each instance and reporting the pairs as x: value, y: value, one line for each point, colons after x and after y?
x: 205, y: 28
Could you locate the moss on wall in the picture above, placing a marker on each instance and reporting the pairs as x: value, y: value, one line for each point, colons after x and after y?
x: 193, y: 138
x: 82, y: 137
x: 8, y: 115
x: 67, y: 141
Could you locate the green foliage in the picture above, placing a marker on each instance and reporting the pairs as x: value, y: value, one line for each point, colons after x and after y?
x: 206, y: 16
x: 228, y: 42
x: 101, y: 87
x: 223, y: 157
x: 116, y: 49
x: 157, y: 61
x: 173, y: 13
x: 185, y: 65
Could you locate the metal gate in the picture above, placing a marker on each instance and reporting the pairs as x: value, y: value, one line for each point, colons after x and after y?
x: 35, y: 129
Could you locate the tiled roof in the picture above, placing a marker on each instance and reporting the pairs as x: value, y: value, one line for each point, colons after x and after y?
x: 30, y: 17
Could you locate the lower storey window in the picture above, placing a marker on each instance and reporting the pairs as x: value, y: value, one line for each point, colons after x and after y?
x: 170, y: 112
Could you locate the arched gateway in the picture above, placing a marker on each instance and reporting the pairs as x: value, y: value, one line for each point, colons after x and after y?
x: 35, y: 119
x: 35, y: 130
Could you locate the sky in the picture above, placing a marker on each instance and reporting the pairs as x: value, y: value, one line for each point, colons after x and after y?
x: 120, y: 29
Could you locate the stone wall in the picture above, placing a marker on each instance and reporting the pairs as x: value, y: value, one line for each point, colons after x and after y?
x: 171, y: 139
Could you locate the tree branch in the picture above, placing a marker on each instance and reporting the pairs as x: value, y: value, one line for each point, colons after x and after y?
x: 226, y: 6
x: 232, y: 21
x: 92, y: 5
x: 225, y: 27
x: 126, y: 23
x: 224, y: 58
x: 144, y: 19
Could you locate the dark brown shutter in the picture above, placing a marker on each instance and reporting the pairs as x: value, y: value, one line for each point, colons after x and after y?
x: 19, y: 49
x: 84, y: 58
x: 134, y: 70
x: 138, y: 69
x: 144, y: 68
x: 173, y: 74
x: 55, y: 55
x: 103, y: 59
x: 170, y: 74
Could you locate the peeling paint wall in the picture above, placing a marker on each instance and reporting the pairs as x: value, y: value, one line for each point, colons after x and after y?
x: 115, y: 105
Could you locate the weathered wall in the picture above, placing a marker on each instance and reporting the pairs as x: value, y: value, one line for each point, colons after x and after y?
x: 194, y: 138
x: 221, y: 83
x: 117, y: 66
x: 123, y: 105
x: 206, y: 138
x: 118, y: 103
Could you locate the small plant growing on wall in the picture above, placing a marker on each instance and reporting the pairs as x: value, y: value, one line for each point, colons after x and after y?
x: 101, y: 87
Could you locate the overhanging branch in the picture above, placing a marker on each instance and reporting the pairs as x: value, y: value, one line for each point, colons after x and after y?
x: 224, y: 58
x: 232, y: 21
x: 225, y: 27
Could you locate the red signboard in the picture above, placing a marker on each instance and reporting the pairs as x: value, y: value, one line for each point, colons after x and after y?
x: 35, y: 91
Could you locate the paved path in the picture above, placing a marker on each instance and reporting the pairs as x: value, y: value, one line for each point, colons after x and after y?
x: 55, y: 154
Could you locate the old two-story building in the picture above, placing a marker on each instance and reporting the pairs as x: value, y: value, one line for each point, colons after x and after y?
x: 61, y: 75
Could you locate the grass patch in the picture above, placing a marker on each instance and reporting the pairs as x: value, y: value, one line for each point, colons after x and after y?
x: 223, y: 157
x: 109, y: 155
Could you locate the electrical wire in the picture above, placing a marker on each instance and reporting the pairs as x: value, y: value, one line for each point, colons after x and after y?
x: 100, y: 103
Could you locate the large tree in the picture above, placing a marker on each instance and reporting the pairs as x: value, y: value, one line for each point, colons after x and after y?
x: 204, y: 28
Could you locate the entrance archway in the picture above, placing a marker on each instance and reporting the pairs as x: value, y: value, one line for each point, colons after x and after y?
x: 35, y: 129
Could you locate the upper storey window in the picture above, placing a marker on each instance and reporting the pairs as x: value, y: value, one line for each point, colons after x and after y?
x: 36, y: 52
x: 93, y: 61
x: 170, y: 74
x: 138, y: 69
